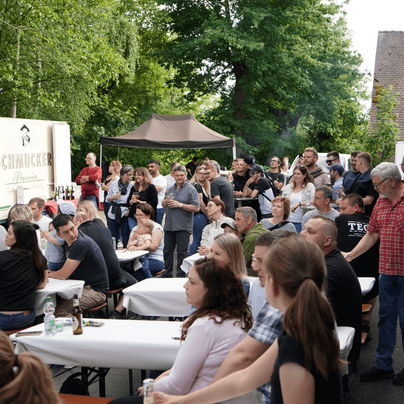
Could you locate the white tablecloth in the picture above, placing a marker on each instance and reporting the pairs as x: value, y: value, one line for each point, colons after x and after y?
x: 124, y: 256
x: 366, y: 284
x: 189, y: 261
x: 157, y: 297
x: 65, y: 289
x: 345, y: 337
x: 122, y: 344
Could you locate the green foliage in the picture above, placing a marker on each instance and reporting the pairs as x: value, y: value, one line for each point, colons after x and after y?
x: 381, y: 142
x: 272, y: 62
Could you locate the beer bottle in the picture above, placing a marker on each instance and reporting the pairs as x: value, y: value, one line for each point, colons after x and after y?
x: 77, y: 321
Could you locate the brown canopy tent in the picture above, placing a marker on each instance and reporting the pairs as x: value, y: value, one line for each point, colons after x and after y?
x: 171, y: 132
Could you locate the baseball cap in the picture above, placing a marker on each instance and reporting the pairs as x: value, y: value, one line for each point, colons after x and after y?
x: 230, y: 223
x: 337, y: 167
x: 250, y: 160
x: 67, y: 208
x: 257, y: 168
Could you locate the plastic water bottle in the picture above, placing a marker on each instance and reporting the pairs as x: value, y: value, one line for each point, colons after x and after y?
x: 308, y: 201
x: 49, y: 320
x: 148, y: 391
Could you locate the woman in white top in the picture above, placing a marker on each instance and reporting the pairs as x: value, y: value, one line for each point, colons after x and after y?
x: 118, y: 212
x: 297, y: 191
x: 280, y: 215
x: 220, y: 322
x: 215, y: 209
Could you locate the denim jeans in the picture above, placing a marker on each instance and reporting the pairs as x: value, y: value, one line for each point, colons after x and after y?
x: 92, y: 198
x: 149, y: 268
x: 107, y: 205
x: 55, y: 266
x: 391, y: 301
x: 124, y: 230
x: 16, y: 321
x: 132, y: 222
x: 298, y: 227
x: 159, y: 215
x: 200, y: 221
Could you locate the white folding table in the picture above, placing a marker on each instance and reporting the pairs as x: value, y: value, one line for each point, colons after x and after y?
x: 157, y: 297
x: 64, y: 288
x: 366, y: 284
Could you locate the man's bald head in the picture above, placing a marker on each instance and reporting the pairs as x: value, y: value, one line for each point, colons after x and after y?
x: 80, y: 218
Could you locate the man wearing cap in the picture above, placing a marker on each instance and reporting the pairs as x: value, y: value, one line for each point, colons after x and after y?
x: 230, y: 227
x: 258, y: 185
x: 336, y: 171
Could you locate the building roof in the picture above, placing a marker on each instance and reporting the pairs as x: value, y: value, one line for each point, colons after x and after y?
x: 389, y: 71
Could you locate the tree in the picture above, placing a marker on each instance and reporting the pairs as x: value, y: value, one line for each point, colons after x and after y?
x: 382, y: 141
x: 272, y: 62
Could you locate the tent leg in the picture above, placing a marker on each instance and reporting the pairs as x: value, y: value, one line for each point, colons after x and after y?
x: 100, y: 154
x: 234, y: 152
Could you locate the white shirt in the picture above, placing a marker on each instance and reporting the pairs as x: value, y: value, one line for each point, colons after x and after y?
x: 3, y: 233
x: 199, y: 358
x: 43, y: 223
x: 170, y: 180
x: 161, y: 181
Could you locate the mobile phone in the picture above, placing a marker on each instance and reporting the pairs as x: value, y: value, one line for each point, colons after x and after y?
x: 27, y: 333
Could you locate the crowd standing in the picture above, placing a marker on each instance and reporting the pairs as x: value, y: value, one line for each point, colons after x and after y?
x: 305, y: 238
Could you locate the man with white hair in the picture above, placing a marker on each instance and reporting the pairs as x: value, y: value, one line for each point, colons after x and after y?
x: 386, y: 224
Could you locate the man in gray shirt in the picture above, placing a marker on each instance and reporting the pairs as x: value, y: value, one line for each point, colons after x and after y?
x: 322, y: 200
x: 181, y: 202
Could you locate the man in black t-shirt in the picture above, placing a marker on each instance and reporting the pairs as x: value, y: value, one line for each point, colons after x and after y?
x: 343, y: 288
x: 118, y: 278
x: 275, y: 173
x: 258, y: 186
x: 220, y: 188
x: 363, y: 183
x: 239, y: 177
x: 191, y: 167
x: 84, y: 262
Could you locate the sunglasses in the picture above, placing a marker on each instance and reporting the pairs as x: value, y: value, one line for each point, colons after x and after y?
x: 329, y: 161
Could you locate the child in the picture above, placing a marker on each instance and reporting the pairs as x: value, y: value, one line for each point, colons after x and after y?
x: 54, y: 252
x: 142, y: 239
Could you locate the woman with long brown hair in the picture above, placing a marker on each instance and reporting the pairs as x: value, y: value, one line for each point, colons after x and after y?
x: 24, y: 378
x: 303, y: 363
x: 200, y: 219
x: 143, y: 191
x: 114, y: 169
x: 22, y: 271
x: 220, y: 322
x: 300, y: 188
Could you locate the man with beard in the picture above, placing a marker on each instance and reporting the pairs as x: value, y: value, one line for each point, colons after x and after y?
x: 310, y: 159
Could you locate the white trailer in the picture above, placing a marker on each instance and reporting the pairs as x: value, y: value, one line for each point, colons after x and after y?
x: 34, y: 160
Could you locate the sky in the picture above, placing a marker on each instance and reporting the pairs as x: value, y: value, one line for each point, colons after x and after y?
x: 365, y: 19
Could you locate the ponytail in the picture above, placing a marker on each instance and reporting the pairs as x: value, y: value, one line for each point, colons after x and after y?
x: 309, y: 319
x: 24, y: 378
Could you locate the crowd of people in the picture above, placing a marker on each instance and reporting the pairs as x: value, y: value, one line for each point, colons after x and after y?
x: 306, y: 239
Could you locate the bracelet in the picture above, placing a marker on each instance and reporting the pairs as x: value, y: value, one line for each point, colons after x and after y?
x: 180, y: 205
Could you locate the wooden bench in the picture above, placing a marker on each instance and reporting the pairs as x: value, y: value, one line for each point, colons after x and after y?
x: 74, y: 399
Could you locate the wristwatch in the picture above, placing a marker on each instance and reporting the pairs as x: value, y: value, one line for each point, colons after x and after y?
x: 180, y: 205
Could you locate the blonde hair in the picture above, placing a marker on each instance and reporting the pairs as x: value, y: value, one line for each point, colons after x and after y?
x: 149, y: 224
x: 230, y: 243
x: 22, y: 212
x: 31, y: 382
x: 88, y: 208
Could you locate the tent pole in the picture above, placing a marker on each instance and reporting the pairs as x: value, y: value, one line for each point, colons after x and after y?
x: 234, y: 152
x: 100, y: 154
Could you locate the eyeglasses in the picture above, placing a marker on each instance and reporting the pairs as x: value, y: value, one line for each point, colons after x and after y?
x: 330, y: 161
x: 381, y: 182
x: 275, y: 161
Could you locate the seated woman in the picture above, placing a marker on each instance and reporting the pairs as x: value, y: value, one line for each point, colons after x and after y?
x: 154, y: 261
x: 23, y: 212
x: 226, y: 249
x: 215, y: 209
x: 90, y: 210
x: 23, y: 376
x: 280, y: 215
x: 303, y: 363
x: 221, y: 321
x: 22, y: 270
